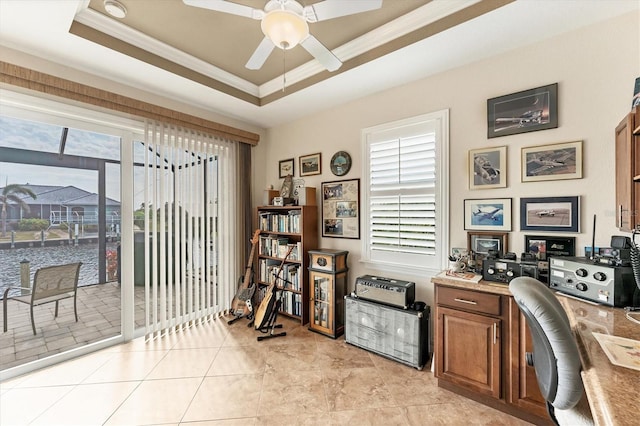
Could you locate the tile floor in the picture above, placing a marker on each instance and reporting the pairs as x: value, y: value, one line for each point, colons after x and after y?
x: 216, y: 374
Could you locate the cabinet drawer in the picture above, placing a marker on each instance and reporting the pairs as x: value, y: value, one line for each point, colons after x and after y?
x: 473, y: 301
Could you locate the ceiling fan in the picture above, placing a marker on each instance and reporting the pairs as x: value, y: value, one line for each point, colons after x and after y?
x: 285, y: 24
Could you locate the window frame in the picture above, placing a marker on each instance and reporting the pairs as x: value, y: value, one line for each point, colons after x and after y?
x: 439, y: 120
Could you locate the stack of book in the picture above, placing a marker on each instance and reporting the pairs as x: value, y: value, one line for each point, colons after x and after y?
x: 280, y: 222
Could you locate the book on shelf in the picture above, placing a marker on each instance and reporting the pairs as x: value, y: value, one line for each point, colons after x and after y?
x: 280, y: 222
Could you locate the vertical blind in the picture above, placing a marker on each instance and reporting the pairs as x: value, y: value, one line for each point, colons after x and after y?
x: 189, y: 226
x: 402, y: 195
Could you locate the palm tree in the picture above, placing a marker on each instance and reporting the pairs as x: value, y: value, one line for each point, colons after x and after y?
x: 11, y: 194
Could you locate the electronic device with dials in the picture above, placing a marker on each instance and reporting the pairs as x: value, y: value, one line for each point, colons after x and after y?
x: 389, y: 291
x: 504, y: 270
x: 598, y: 282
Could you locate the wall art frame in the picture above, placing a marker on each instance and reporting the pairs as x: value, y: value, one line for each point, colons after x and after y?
x: 487, y: 214
x: 488, y: 168
x: 286, y: 167
x: 543, y: 246
x: 526, y: 111
x: 341, y: 209
x: 310, y: 165
x: 481, y: 242
x: 552, y: 162
x: 551, y: 214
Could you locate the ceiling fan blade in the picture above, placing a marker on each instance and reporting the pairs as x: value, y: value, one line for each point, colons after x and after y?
x: 227, y: 7
x: 330, y: 9
x: 261, y: 54
x: 321, y: 53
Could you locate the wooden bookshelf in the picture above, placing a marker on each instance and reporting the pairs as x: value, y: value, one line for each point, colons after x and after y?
x: 279, y: 228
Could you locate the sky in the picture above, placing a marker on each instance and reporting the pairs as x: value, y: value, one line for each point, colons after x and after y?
x: 17, y: 133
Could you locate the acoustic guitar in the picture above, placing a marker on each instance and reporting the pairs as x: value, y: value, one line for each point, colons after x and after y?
x: 241, y: 304
x: 264, y: 311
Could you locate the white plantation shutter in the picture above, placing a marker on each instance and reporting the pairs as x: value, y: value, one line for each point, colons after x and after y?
x: 401, y: 193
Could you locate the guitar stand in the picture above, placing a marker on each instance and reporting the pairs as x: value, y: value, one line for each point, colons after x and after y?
x: 249, y: 317
x: 271, y: 323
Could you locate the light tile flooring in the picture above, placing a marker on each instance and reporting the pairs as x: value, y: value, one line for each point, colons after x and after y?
x: 216, y: 374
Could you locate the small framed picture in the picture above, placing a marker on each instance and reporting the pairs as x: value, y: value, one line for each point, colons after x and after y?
x: 310, y: 164
x: 488, y: 168
x: 526, y: 111
x: 488, y: 214
x: 480, y: 243
x: 552, y: 162
x: 286, y: 167
x: 558, y: 214
x: 541, y: 247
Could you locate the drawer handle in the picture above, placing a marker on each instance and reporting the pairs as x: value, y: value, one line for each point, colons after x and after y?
x: 468, y: 302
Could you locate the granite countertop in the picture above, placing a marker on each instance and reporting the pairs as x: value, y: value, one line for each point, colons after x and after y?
x: 613, y: 391
x: 483, y: 286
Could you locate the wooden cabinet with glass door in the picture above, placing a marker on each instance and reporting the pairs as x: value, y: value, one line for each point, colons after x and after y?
x: 328, y: 275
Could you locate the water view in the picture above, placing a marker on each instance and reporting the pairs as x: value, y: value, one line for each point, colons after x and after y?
x: 48, y: 256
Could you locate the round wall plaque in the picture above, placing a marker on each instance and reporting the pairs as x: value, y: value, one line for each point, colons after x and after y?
x: 340, y: 163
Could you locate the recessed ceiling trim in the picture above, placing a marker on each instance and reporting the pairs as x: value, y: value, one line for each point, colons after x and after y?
x: 104, y: 24
x: 420, y: 17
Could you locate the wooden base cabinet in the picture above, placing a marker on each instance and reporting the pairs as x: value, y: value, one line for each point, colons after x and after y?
x: 480, y: 344
x: 469, y: 353
x: 328, y: 275
x: 627, y: 136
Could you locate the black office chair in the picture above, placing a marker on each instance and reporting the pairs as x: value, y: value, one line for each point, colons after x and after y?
x: 555, y: 354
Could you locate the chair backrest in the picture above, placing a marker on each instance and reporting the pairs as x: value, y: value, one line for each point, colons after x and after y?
x: 555, y: 353
x: 55, y: 280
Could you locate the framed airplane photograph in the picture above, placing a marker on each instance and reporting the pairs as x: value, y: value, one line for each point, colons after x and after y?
x: 552, y: 162
x: 559, y: 214
x: 488, y: 214
x: 521, y: 112
x: 488, y: 168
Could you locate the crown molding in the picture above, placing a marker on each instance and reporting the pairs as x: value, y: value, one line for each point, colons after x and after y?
x: 113, y: 28
x: 420, y: 17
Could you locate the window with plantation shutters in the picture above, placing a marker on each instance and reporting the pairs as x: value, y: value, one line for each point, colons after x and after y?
x: 403, y: 192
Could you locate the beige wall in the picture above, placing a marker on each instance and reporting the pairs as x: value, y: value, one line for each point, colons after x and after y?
x: 595, y: 69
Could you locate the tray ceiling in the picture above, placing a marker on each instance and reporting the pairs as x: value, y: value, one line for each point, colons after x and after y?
x: 211, y: 47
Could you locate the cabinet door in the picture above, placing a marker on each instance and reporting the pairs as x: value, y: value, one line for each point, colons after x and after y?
x: 625, y: 159
x: 321, y: 303
x: 525, y: 392
x: 468, y: 351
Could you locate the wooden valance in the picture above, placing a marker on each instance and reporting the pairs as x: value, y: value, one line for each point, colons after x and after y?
x: 45, y: 83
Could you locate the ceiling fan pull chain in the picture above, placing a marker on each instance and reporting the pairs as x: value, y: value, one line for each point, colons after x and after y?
x: 284, y: 68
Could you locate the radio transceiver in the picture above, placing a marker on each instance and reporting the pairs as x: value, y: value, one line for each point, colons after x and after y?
x: 392, y: 292
x: 503, y: 270
x: 607, y: 284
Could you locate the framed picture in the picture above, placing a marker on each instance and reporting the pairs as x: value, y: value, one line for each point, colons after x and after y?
x: 481, y: 242
x: 286, y: 167
x: 341, y: 209
x: 541, y: 247
x: 310, y: 164
x: 526, y: 111
x: 552, y: 162
x: 488, y: 214
x: 560, y: 214
x: 488, y: 168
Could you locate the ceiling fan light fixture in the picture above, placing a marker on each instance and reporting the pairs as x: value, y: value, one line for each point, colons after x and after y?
x: 284, y: 28
x: 115, y: 9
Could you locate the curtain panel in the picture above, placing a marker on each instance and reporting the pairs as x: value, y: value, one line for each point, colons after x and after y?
x: 190, y: 226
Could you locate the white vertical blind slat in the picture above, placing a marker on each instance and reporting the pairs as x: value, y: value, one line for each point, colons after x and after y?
x: 189, y: 222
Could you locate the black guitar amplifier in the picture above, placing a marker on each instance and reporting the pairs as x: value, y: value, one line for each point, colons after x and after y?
x: 399, y: 334
x: 386, y: 290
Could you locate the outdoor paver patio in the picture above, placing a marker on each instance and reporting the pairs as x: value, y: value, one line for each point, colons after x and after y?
x: 98, y: 318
